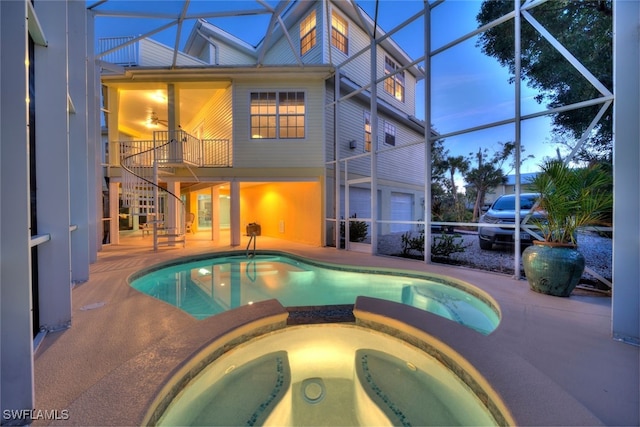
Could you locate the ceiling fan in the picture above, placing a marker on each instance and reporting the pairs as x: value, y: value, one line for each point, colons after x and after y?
x: 155, y: 120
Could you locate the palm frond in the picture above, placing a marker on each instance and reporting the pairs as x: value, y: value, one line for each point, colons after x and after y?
x: 571, y: 198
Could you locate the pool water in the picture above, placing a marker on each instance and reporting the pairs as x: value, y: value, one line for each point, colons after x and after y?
x: 211, y: 286
x: 326, y: 375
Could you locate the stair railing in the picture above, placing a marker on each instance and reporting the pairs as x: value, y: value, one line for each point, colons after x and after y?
x: 140, y: 188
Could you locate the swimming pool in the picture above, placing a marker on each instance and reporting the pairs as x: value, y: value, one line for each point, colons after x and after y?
x: 330, y: 374
x: 207, y: 285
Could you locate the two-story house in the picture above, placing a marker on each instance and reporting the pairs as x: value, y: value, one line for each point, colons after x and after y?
x: 225, y: 134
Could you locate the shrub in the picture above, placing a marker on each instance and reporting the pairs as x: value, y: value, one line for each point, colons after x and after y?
x: 358, y: 230
x: 443, y: 245
x: 447, y: 244
x: 410, y: 243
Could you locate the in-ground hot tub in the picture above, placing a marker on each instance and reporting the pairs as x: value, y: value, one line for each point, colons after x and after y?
x: 329, y: 374
x: 395, y: 365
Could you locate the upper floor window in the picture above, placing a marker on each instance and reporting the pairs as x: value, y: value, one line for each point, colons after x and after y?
x: 394, y: 85
x: 339, y: 33
x: 389, y: 133
x: 277, y: 115
x: 308, y: 33
x: 367, y: 131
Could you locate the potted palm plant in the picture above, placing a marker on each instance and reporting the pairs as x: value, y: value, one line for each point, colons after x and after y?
x: 570, y: 198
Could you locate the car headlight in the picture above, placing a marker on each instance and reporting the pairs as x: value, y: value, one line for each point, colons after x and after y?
x: 491, y: 219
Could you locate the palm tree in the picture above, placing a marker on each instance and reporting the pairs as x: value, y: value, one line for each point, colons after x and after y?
x: 456, y: 164
x: 572, y: 198
x: 483, y: 177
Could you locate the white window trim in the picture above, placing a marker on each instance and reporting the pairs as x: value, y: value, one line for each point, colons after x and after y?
x: 308, y: 33
x: 277, y: 114
x: 364, y: 116
x: 345, y: 34
x: 395, y: 79
x: 388, y: 125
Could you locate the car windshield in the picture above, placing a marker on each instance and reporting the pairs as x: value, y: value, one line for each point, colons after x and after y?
x: 509, y: 203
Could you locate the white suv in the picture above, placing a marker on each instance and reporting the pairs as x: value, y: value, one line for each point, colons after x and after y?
x: 503, y: 211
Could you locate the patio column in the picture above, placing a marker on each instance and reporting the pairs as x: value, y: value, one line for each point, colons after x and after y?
x: 16, y: 338
x: 114, y: 213
x: 626, y: 158
x: 235, y: 213
x: 172, y: 221
x: 215, y: 213
x: 52, y: 166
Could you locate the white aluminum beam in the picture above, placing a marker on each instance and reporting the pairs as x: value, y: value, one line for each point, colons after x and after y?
x: 16, y: 330
x: 626, y: 173
x: 52, y: 168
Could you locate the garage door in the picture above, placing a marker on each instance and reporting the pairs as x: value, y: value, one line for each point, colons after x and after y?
x: 401, y: 210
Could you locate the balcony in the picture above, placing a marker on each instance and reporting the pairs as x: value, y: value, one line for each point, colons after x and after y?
x: 126, y: 56
x: 176, y: 149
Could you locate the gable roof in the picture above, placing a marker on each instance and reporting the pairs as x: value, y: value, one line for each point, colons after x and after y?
x: 203, y: 31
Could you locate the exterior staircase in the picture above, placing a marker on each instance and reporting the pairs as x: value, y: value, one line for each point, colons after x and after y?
x: 143, y: 163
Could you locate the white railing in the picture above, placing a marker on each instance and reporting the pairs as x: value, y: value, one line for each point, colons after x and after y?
x: 136, y: 159
x: 216, y: 153
x: 126, y: 56
x: 208, y: 153
x: 141, y: 191
x: 143, y: 161
x: 177, y: 147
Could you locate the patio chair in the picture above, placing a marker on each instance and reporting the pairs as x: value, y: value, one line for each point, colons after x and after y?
x: 188, y: 225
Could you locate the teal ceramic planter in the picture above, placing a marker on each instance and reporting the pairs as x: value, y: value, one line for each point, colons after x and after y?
x: 552, y: 269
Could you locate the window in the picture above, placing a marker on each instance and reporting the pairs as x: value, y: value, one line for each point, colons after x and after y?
x: 277, y: 115
x: 394, y: 85
x: 308, y: 33
x: 339, y: 33
x: 263, y: 115
x: 367, y: 131
x: 291, y: 115
x: 389, y: 133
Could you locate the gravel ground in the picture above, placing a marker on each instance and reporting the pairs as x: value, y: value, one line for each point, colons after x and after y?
x: 596, y: 249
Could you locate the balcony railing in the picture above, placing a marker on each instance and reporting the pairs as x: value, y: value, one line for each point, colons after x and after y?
x: 216, y: 153
x: 125, y: 56
x: 175, y: 149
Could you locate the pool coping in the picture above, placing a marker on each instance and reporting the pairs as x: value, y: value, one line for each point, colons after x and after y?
x: 219, y: 336
x: 459, y: 284
x: 501, y: 377
x: 83, y: 370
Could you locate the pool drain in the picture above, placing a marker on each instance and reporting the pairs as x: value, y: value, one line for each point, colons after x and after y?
x: 313, y: 390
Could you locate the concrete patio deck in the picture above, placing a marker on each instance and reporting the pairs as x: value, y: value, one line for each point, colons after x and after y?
x: 83, y: 369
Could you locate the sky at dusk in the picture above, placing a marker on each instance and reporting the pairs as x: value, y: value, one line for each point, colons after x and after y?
x: 469, y: 89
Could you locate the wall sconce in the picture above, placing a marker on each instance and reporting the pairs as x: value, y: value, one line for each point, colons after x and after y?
x: 353, y: 144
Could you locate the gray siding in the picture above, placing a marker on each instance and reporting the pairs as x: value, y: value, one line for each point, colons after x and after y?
x: 216, y: 117
x: 279, y: 153
x: 405, y: 163
x: 280, y: 52
x: 402, y: 166
x: 329, y: 124
x: 154, y: 54
x: 358, y: 69
x: 229, y: 55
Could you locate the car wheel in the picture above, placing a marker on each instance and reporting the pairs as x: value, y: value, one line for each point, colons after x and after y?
x: 485, y: 244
